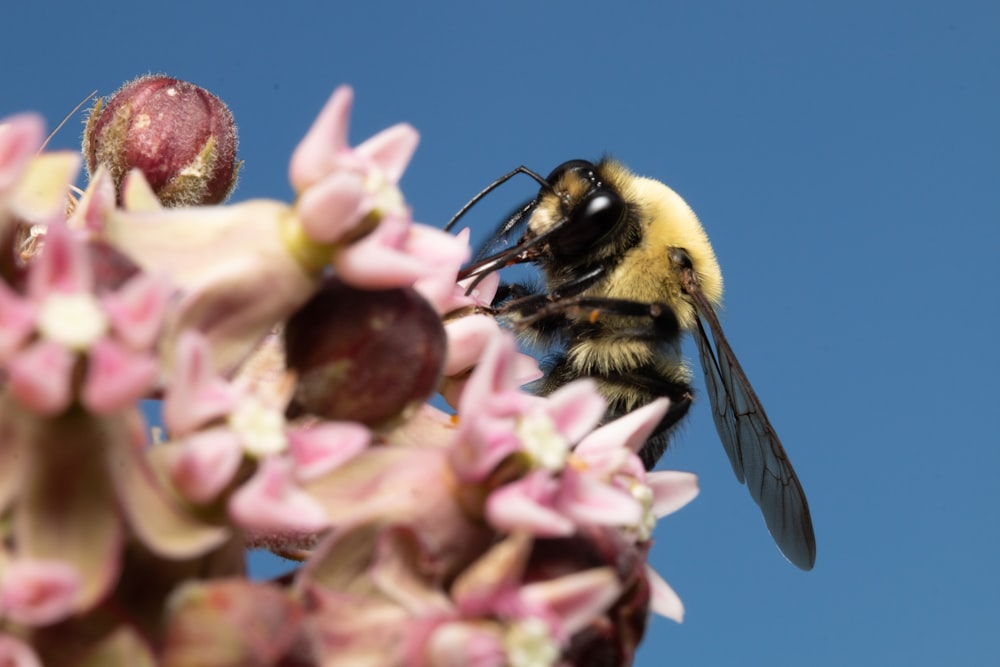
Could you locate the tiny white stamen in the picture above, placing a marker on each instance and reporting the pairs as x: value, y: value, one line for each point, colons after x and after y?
x: 644, y: 495
x: 261, y: 429
x: 540, y: 439
x: 529, y: 643
x: 75, y: 321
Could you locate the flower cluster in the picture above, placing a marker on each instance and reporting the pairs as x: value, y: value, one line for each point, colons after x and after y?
x: 295, y: 350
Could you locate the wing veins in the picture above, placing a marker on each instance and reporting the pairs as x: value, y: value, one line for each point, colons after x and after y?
x: 755, y: 451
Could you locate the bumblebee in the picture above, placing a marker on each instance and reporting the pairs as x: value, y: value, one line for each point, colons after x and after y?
x: 627, y: 271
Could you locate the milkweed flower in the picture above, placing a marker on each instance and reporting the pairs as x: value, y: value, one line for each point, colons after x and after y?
x: 294, y: 349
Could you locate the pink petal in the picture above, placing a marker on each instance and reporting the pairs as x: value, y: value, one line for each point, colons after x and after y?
x: 204, y: 463
x: 526, y: 504
x: 17, y: 321
x: 63, y: 265
x: 137, y: 309
x: 526, y: 369
x: 630, y: 431
x: 20, y: 137
x: 40, y: 377
x: 321, y: 448
x: 467, y: 339
x: 155, y: 516
x: 442, y: 291
x: 116, y: 377
x: 333, y: 206
x: 271, y: 502
x: 663, y: 600
x: 314, y: 156
x: 576, y: 408
x: 15, y: 653
x: 485, y: 290
x: 445, y: 252
x: 481, y: 443
x: 391, y: 149
x: 380, y: 261
x: 576, y: 599
x: 672, y: 490
x: 238, y: 305
x: 97, y: 200
x: 195, y: 394
x: 494, y: 373
x: 38, y: 592
x: 586, y: 499
x: 138, y: 194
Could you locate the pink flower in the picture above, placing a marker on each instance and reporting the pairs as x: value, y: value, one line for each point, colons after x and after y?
x: 62, y: 319
x: 497, y: 419
x: 338, y: 186
x: 217, y: 426
x: 345, y: 192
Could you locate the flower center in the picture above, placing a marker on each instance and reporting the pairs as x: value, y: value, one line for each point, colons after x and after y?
x: 540, y: 439
x: 387, y: 197
x: 260, y: 429
x: 530, y: 644
x: 73, y: 320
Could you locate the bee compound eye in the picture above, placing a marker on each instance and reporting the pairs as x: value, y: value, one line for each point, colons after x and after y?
x: 594, y: 217
x: 583, y: 168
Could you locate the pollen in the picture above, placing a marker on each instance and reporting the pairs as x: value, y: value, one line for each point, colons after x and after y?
x: 261, y: 429
x: 540, y: 439
x: 75, y: 321
x: 529, y: 643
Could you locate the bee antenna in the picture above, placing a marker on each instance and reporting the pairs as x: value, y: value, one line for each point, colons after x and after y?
x: 493, y: 186
x: 66, y: 118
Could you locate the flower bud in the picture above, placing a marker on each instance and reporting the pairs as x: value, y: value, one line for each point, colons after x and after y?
x: 180, y: 136
x: 364, y: 355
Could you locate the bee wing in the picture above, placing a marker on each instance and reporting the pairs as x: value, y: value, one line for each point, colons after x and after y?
x: 753, y: 447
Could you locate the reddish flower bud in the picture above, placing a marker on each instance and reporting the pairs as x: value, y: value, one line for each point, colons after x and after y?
x: 364, y: 355
x: 180, y: 136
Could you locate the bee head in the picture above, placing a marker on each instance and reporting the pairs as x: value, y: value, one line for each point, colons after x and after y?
x: 577, y: 211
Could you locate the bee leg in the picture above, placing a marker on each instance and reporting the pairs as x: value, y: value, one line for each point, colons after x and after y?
x: 589, y: 309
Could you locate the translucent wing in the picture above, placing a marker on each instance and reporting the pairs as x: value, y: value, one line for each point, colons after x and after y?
x: 753, y: 447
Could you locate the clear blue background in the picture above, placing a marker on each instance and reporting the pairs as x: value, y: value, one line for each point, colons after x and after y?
x: 844, y: 161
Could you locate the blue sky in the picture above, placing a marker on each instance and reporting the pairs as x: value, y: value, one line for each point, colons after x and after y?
x: 845, y: 162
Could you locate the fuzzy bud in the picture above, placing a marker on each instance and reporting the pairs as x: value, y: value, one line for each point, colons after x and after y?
x: 180, y: 136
